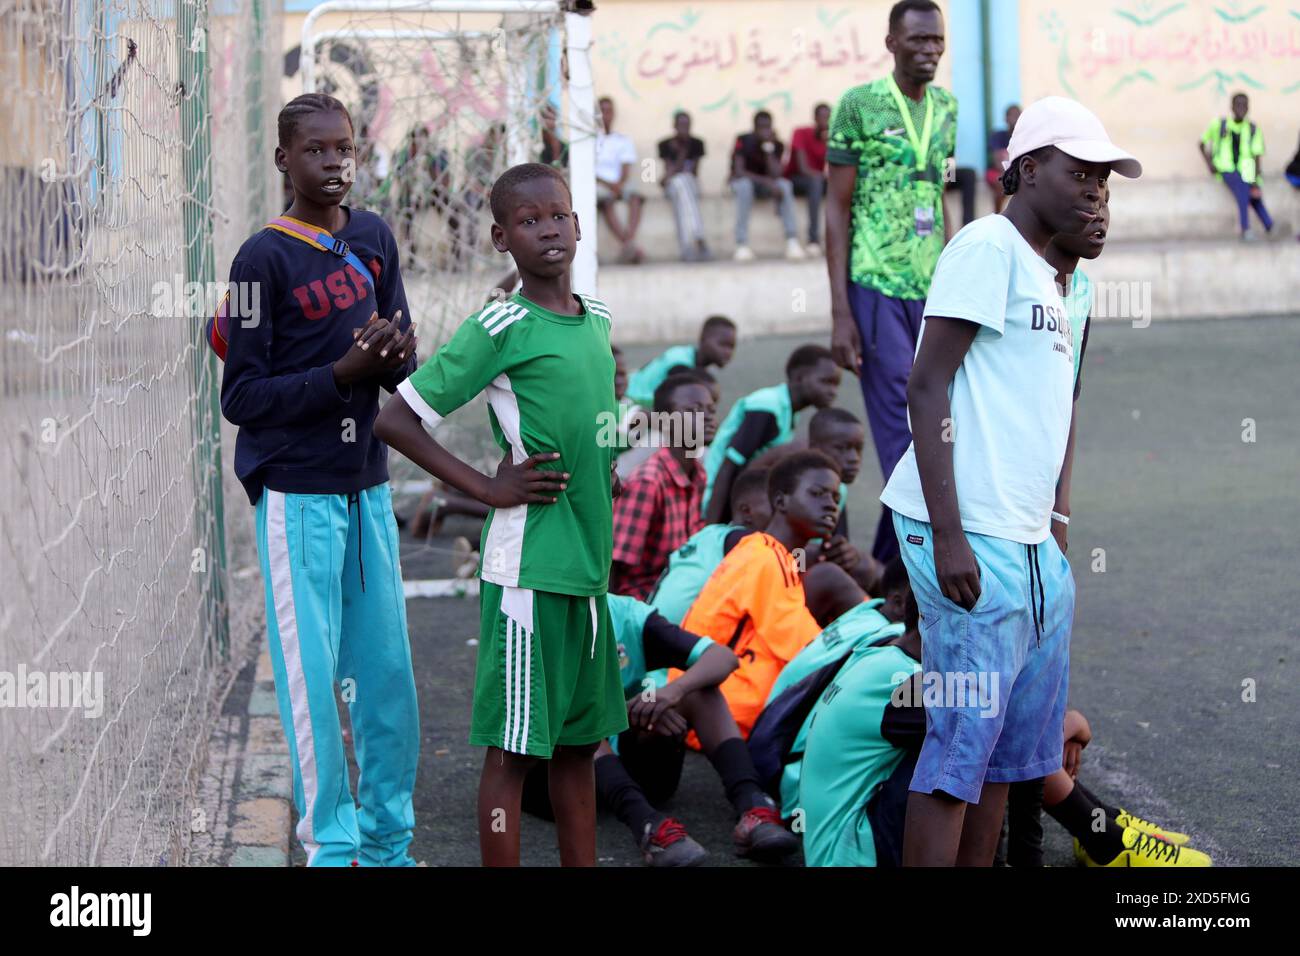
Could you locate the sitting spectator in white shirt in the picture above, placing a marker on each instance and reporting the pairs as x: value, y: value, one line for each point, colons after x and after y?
x: 615, y: 157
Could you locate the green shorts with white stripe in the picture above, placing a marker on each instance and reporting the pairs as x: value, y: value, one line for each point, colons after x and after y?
x: 547, y: 672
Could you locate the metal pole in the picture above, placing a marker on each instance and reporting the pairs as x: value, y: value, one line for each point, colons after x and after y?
x: 196, y: 168
x: 579, y: 132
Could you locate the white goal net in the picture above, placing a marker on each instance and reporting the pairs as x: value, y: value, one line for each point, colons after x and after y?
x: 138, y: 135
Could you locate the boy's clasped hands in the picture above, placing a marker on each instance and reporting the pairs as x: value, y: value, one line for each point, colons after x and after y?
x: 380, y: 347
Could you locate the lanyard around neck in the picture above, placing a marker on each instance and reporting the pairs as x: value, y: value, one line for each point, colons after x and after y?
x: 921, y: 146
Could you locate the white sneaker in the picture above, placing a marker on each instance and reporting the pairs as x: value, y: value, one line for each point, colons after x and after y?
x: 743, y: 254
x: 464, y: 558
x: 793, y: 250
x: 813, y: 249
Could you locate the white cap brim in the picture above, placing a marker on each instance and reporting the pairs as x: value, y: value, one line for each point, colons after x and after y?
x: 1102, y: 151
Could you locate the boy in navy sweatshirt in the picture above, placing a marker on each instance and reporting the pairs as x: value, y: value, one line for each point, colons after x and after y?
x: 302, y: 376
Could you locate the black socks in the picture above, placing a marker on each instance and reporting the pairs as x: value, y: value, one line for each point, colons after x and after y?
x: 615, y: 786
x: 736, y: 768
x: 1081, y: 813
x: 1110, y: 811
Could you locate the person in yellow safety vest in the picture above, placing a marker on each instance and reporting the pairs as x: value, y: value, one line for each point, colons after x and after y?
x: 1232, y: 149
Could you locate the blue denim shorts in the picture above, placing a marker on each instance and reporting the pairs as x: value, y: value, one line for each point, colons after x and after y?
x: 996, y: 677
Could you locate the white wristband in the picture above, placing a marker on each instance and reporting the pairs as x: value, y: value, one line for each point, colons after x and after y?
x: 1057, y: 516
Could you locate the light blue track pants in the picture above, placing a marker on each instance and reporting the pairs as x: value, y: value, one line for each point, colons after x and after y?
x: 336, y: 616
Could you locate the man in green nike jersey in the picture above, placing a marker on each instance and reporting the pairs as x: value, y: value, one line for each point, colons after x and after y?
x: 547, y: 683
x: 888, y: 152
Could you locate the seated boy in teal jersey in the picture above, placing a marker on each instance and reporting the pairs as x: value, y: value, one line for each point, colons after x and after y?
x: 764, y: 419
x: 850, y: 621
x: 547, y: 684
x: 716, y: 347
x: 691, y: 565
x: 857, y: 734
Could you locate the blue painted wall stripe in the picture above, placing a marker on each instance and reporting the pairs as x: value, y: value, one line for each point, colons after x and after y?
x: 1004, y: 51
x: 964, y: 47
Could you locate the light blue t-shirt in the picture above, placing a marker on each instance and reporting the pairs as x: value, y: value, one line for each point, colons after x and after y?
x: 642, y: 383
x: 628, y: 617
x: 689, y: 569
x: 1012, y: 395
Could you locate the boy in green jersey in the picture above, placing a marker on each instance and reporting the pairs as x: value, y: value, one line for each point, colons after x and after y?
x: 547, y: 681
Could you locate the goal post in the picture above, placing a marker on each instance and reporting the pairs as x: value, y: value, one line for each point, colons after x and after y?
x: 447, y: 94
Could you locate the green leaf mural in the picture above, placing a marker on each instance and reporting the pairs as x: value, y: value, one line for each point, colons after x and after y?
x: 829, y: 18
x: 1235, y: 17
x: 1222, y: 81
x: 1144, y: 19
x: 1129, y: 78
x: 688, y: 20
x: 1057, y: 35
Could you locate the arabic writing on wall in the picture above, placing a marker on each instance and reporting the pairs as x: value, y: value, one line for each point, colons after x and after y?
x: 710, y: 59
x: 767, y: 59
x: 1180, y: 48
x: 1157, y: 72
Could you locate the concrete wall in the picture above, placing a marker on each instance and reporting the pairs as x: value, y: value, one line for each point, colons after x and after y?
x: 1158, y: 73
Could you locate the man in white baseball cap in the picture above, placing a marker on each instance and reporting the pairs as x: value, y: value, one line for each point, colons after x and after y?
x: 1073, y: 129
x: 990, y: 403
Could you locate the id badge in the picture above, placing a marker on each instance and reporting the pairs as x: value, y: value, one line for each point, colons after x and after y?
x: 924, y: 221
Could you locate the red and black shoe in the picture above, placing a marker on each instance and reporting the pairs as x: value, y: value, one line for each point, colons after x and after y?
x: 668, y: 844
x: 760, y: 835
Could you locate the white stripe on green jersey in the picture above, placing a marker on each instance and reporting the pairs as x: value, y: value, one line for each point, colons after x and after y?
x: 496, y: 318
x: 549, y: 382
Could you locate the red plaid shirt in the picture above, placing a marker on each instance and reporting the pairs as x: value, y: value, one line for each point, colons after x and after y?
x: 657, y: 511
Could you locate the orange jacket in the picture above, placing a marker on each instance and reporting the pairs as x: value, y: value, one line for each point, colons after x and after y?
x: 754, y: 604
